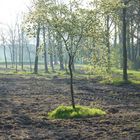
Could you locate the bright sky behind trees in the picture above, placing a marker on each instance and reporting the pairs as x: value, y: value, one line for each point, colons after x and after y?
x: 10, y: 9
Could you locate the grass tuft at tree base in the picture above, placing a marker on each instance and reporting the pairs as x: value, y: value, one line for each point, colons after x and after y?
x: 67, y: 112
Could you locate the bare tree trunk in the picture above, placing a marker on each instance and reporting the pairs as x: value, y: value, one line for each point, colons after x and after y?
x: 61, y: 62
x: 19, y: 48
x: 71, y: 81
x: 5, y: 57
x: 22, y: 50
x: 55, y: 55
x: 16, y: 58
x: 132, y: 42
x: 45, y: 51
x: 51, y: 50
x: 108, y: 44
x: 138, y: 40
x: 73, y: 66
x: 11, y: 56
x: 125, y: 76
x: 115, y: 36
x: 60, y: 54
x: 66, y: 64
x: 121, y: 47
x: 128, y: 42
x: 13, y: 53
x: 29, y: 57
x: 37, y: 46
x: 51, y: 60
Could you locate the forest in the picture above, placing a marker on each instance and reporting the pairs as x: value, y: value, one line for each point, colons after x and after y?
x: 70, y: 70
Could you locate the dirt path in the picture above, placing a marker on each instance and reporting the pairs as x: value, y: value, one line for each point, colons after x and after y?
x: 25, y: 100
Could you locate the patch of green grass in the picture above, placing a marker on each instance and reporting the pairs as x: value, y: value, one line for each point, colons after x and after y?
x: 131, y: 73
x: 119, y: 81
x: 135, y: 82
x: 133, y: 78
x: 22, y: 72
x: 67, y: 112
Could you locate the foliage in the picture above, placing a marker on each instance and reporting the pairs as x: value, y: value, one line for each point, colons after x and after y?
x: 97, y: 62
x: 67, y: 112
x: 116, y: 56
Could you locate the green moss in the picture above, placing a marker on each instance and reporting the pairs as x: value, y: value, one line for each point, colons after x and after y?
x: 67, y: 112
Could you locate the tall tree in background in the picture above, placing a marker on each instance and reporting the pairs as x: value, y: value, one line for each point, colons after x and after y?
x: 45, y: 49
x: 22, y: 48
x: 60, y: 52
x: 37, y: 47
x: 12, y: 41
x: 124, y: 25
x: 3, y: 38
x: 32, y: 25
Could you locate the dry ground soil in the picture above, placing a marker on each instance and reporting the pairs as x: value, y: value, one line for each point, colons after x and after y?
x: 26, y: 100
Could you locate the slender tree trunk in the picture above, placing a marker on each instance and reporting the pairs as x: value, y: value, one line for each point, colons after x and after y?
x: 73, y: 66
x: 51, y: 60
x: 11, y: 56
x: 138, y: 40
x: 66, y: 64
x: 115, y: 36
x: 45, y: 50
x: 125, y: 76
x: 5, y: 57
x: 13, y: 53
x: 132, y: 42
x: 51, y: 50
x: 71, y: 81
x: 37, y: 46
x: 61, y: 62
x: 29, y: 57
x: 60, y: 54
x: 22, y: 50
x: 136, y: 49
x: 19, y: 40
x: 108, y: 44
x: 121, y: 47
x: 16, y: 59
x: 55, y: 55
x: 128, y: 42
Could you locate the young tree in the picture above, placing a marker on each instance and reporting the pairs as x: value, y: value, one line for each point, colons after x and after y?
x: 72, y: 24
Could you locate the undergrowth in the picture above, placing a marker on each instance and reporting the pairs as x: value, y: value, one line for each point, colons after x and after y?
x: 67, y: 112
